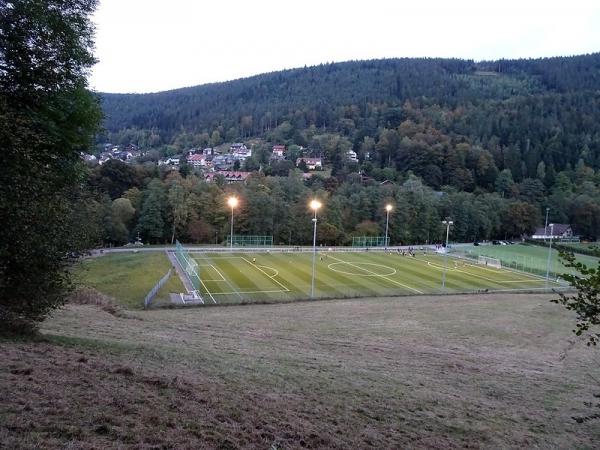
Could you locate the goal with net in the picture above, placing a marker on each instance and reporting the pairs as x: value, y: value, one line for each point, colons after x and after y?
x: 188, y: 264
x: 490, y: 262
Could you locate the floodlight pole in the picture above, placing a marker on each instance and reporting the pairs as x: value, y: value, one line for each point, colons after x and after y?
x: 312, y: 284
x: 447, y: 223
x: 546, y: 225
x: 387, y: 222
x: 549, y: 255
x: 231, y: 233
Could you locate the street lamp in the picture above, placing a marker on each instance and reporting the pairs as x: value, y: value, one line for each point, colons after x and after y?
x: 447, y: 223
x: 546, y: 225
x: 388, y: 208
x: 549, y: 254
x: 314, y: 205
x: 232, y: 202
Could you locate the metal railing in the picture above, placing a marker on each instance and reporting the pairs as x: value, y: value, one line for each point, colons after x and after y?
x: 148, y: 299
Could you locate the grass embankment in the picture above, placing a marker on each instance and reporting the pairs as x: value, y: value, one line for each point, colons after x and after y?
x: 494, y: 371
x: 128, y: 277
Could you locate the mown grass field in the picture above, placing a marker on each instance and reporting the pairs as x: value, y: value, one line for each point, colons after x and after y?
x: 252, y: 277
x: 128, y: 277
x: 467, y: 371
x: 527, y: 257
x: 581, y: 245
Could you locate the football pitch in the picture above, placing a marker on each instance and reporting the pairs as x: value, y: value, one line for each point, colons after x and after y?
x: 240, y: 277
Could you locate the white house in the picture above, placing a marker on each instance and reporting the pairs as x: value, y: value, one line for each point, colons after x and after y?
x: 351, y: 156
x: 554, y: 231
x: 278, y: 151
x: 311, y: 163
x: 198, y: 160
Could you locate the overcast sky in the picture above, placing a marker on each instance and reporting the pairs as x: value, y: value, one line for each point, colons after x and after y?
x: 154, y: 45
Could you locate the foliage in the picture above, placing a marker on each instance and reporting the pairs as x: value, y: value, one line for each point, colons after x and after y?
x: 46, y: 117
x: 586, y: 302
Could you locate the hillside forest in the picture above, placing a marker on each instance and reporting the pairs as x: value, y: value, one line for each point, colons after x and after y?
x: 490, y: 145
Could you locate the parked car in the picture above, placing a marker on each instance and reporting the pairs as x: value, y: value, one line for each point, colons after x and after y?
x: 476, y: 244
x: 495, y: 242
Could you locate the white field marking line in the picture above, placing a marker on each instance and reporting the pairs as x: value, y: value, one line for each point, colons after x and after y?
x: 270, y: 268
x: 254, y: 265
x: 385, y: 278
x: 207, y: 291
x: 219, y: 272
x: 482, y: 267
x: 366, y: 274
x: 215, y: 269
x: 527, y: 277
x: 531, y: 275
x: 251, y: 292
x: 499, y: 272
x: 455, y: 269
x: 226, y: 281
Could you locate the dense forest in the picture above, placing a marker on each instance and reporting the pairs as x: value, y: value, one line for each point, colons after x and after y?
x: 491, y: 144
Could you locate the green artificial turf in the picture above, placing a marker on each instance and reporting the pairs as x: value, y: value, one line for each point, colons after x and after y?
x: 529, y: 258
x: 264, y: 277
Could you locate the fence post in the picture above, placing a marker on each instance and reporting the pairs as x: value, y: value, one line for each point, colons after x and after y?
x: 148, y: 299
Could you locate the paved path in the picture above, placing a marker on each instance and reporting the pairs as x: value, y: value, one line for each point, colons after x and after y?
x: 182, y: 276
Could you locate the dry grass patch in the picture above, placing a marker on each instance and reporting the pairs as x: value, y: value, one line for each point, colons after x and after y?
x: 424, y: 372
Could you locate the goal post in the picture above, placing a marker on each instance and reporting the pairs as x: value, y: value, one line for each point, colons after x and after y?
x: 369, y: 241
x: 490, y: 262
x: 188, y: 265
x: 250, y: 240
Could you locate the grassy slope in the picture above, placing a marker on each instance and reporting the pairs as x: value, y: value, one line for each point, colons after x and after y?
x: 128, y: 277
x: 461, y: 371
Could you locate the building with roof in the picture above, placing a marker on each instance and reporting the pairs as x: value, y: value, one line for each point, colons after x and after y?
x: 311, y: 163
x: 554, y: 231
x: 229, y: 176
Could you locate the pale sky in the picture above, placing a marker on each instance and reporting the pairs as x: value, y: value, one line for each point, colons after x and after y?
x: 155, y: 45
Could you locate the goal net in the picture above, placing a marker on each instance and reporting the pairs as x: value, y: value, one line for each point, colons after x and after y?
x: 250, y: 240
x: 490, y: 262
x: 369, y: 241
x: 188, y: 264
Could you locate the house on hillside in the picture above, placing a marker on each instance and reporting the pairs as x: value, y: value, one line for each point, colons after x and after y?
x: 222, y: 162
x: 198, y: 160
x: 240, y: 152
x: 172, y: 161
x: 554, y: 231
x: 229, y: 176
x: 278, y: 152
x: 311, y: 163
x: 351, y: 156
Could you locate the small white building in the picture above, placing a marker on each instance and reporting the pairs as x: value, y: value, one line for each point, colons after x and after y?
x: 351, y: 156
x: 278, y: 151
x: 311, y: 163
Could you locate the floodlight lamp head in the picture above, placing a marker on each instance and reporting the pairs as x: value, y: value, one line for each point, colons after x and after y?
x: 232, y: 202
x: 315, y: 204
x: 388, y: 208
